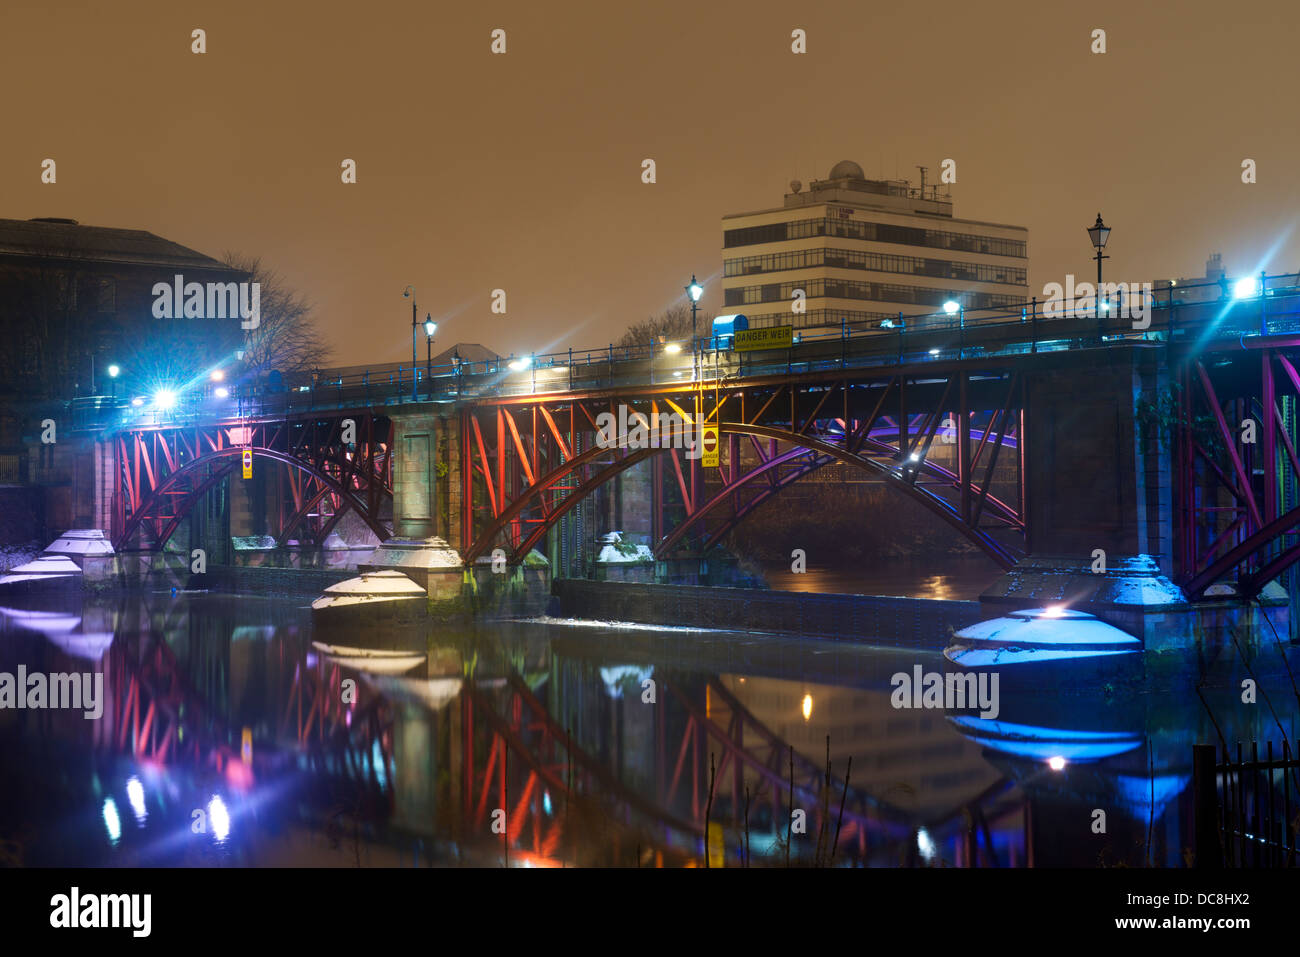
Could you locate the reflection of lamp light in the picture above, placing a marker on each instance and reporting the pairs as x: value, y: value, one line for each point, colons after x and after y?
x: 112, y: 821
x: 219, y: 818
x: 925, y: 844
x: 1053, y: 611
x: 673, y: 348
x: 135, y: 795
x: 807, y: 706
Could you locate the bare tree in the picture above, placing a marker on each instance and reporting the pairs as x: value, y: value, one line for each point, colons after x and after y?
x: 673, y: 323
x: 286, y: 339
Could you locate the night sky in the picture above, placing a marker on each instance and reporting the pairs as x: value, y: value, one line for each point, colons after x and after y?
x: 523, y: 171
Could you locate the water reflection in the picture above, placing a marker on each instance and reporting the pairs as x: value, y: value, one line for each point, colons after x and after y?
x: 230, y: 737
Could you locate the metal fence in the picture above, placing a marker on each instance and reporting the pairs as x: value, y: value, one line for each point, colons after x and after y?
x: 1246, y: 807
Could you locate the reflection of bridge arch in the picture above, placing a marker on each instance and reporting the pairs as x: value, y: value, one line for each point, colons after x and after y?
x: 162, y: 473
x: 530, y: 483
x: 545, y: 758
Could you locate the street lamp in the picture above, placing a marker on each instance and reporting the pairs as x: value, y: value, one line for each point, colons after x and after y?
x: 1099, y: 232
x: 430, y: 327
x: 409, y: 293
x: 694, y: 291
x: 114, y: 370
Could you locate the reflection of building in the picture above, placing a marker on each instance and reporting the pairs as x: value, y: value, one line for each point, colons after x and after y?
x: 912, y: 759
x: 863, y: 251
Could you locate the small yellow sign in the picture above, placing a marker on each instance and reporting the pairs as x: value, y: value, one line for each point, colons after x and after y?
x: 248, y: 464
x: 709, y: 443
x: 777, y: 337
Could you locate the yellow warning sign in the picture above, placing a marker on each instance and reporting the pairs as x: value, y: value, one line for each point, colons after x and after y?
x: 248, y: 464
x: 777, y: 337
x: 709, y: 443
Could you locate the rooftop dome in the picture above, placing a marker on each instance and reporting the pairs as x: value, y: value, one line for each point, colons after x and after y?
x: 847, y: 169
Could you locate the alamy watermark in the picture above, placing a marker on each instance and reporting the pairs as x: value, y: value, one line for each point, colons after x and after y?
x: 78, y: 691
x: 1127, y: 300
x: 636, y: 430
x: 213, y: 300
x: 931, y: 689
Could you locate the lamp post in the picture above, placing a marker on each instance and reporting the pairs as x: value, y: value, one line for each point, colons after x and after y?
x: 693, y: 291
x: 409, y: 293
x: 114, y: 370
x: 1099, y: 232
x: 430, y: 327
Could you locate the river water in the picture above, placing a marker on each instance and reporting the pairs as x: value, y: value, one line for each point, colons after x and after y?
x: 228, y: 738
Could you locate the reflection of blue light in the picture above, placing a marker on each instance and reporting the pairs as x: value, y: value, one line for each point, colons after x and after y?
x: 377, y: 762
x: 112, y: 821
x: 1044, y: 744
x: 620, y: 676
x: 135, y: 795
x: 219, y: 818
x: 546, y: 801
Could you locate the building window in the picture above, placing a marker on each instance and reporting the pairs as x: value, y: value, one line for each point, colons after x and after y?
x: 874, y: 232
x: 106, y: 296
x: 876, y: 262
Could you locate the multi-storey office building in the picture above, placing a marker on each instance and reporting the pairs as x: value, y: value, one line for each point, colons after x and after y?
x: 863, y: 251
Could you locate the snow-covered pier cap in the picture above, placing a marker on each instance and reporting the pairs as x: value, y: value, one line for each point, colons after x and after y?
x: 1038, y: 636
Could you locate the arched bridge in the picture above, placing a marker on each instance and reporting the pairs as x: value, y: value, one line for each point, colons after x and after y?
x: 1173, y: 436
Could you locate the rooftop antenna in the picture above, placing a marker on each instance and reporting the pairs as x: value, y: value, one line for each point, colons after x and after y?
x: 923, y: 171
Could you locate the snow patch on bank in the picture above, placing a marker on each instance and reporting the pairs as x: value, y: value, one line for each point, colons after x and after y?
x: 619, y: 625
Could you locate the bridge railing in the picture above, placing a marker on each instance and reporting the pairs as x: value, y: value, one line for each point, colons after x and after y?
x: 1208, y: 310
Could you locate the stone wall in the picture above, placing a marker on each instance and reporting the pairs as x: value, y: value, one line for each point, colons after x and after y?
x: 905, y: 622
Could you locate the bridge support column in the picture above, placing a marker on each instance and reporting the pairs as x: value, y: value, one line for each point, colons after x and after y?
x: 415, y: 506
x: 1098, y: 494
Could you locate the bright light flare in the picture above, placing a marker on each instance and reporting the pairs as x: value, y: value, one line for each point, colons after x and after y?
x: 1247, y: 288
x: 114, y: 371
x: 164, y: 399
x: 221, y: 392
x: 673, y: 348
x: 216, y: 375
x: 1054, y: 611
x: 807, y: 706
x: 1057, y: 763
x: 951, y: 306
x: 522, y: 363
